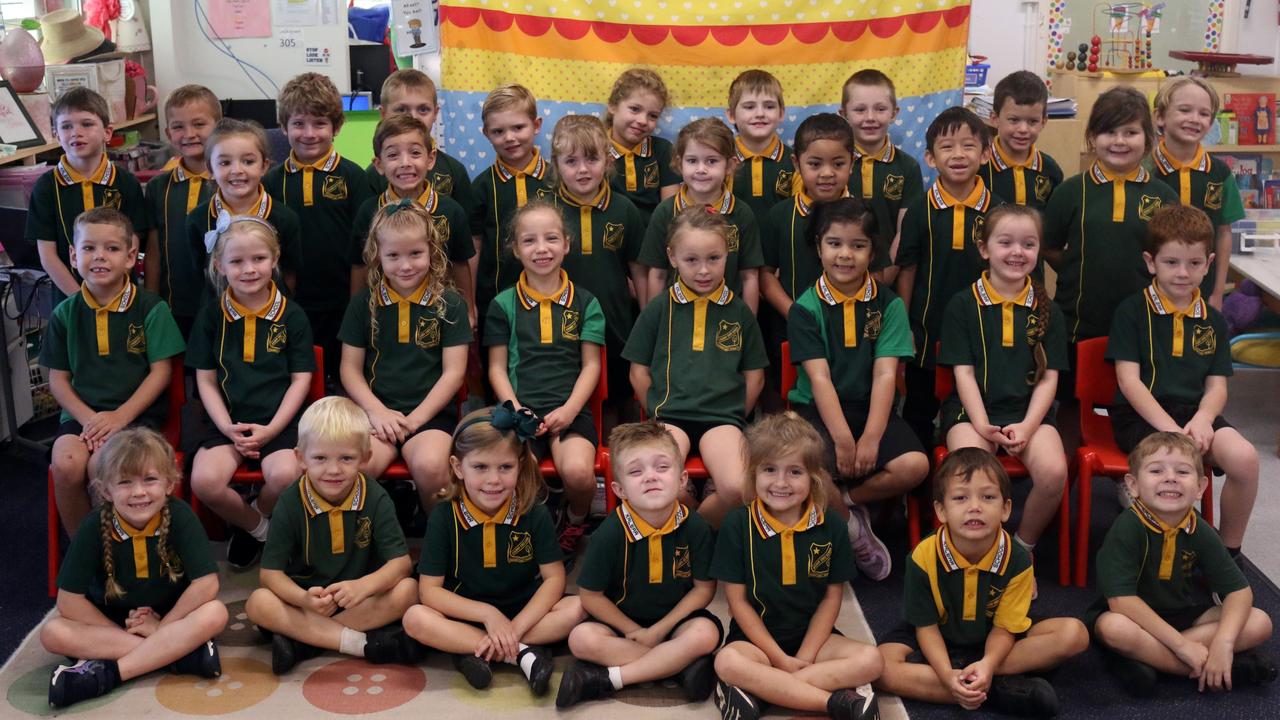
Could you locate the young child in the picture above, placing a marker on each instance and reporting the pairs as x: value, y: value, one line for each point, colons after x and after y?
x: 765, y: 172
x: 1005, y: 340
x: 703, y: 332
x: 108, y: 349
x: 138, y: 589
x: 1186, y: 107
x: 325, y: 190
x: 83, y: 179
x: 641, y: 160
x: 784, y: 564
x: 511, y: 122
x: 1018, y: 171
x: 1172, y: 361
x: 190, y: 113
x: 966, y: 638
x: 404, y: 348
x: 1155, y: 613
x: 848, y: 333
x: 939, y: 256
x: 335, y: 570
x: 403, y: 156
x: 251, y: 349
x: 238, y: 158
x: 409, y: 91
x: 884, y: 176
x: 490, y: 593
x: 1096, y: 223
x: 706, y: 157
x: 649, y: 619
x: 544, y: 337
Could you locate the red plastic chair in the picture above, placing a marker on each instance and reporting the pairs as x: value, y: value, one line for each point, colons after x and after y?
x: 172, y: 432
x: 1098, y: 453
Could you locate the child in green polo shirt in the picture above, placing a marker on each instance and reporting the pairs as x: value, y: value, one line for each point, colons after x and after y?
x: 251, y: 349
x: 1186, y: 107
x: 108, y: 349
x: 883, y: 175
x: 405, y: 154
x: 325, y: 190
x: 1096, y: 222
x: 705, y: 157
x: 848, y: 334
x: 650, y: 616
x: 765, y: 173
x: 491, y: 577
x: 1156, y: 568
x: 697, y: 358
x: 83, y: 179
x: 938, y: 255
x: 544, y: 337
x: 1018, y: 171
x: 1005, y: 340
x: 190, y: 113
x: 1172, y: 360
x: 966, y: 638
x: 404, y: 348
x: 335, y: 570
x: 138, y: 589
x: 641, y: 160
x: 784, y: 562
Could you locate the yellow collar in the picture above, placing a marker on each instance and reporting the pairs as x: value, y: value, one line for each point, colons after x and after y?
x: 1167, y: 164
x: 1002, y: 162
x: 977, y: 199
x: 470, y: 516
x: 1101, y: 175
x: 428, y: 198
x: 831, y: 296
x: 995, y: 561
x: 325, y: 164
x: 986, y: 295
x: 103, y: 174
x: 636, y: 529
x: 536, y: 168
x: 1161, y: 305
x: 272, y: 311
x: 722, y: 205
x: 769, y: 527
x: 600, y: 201
x: 182, y: 174
x: 121, y: 531
x: 885, y: 154
x: 772, y: 152
x: 1152, y: 522
x: 121, y: 302
x: 618, y: 150
x: 683, y: 294
x: 530, y: 298
x: 260, y: 209
x: 387, y: 296
x: 315, y: 505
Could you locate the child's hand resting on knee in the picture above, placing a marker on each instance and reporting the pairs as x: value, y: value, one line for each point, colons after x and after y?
x: 389, y: 426
x: 646, y: 636
x: 142, y: 621
x: 500, y: 641
x: 348, y: 593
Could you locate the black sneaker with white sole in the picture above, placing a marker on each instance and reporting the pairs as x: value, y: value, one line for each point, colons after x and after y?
x: 1023, y: 696
x: 853, y: 704
x: 243, y: 549
x: 203, y: 662
x: 583, y: 681
x: 84, y: 680
x: 734, y: 703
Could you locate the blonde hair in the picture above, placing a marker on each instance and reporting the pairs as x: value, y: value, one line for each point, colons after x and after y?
x: 708, y: 131
x: 410, y: 218
x: 868, y: 77
x: 476, y: 432
x: 228, y: 128
x: 628, y: 436
x: 584, y: 134
x: 783, y: 434
x: 1164, y: 98
x: 247, y: 227
x: 1171, y: 441
x: 698, y: 218
x: 134, y: 452
x: 509, y: 98
x: 629, y: 82
x: 191, y: 95
x: 406, y: 79
x: 310, y: 94
x: 755, y: 81
x: 334, y: 419
x: 103, y: 215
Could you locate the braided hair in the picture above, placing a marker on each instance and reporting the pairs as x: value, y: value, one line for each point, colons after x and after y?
x: 1038, y: 325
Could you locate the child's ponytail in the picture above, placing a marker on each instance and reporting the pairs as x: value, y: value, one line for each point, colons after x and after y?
x: 170, y: 565
x: 113, y: 588
x: 1041, y: 312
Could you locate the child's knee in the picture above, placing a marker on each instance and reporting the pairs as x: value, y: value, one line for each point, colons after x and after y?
x: 585, y: 639
x: 405, y: 593
x: 910, y: 469
x: 213, y: 618
x: 261, y: 606
x: 69, y: 461
x: 55, y: 634
x: 704, y: 637
x: 578, y: 475
x: 1115, y: 630
x: 1073, y: 637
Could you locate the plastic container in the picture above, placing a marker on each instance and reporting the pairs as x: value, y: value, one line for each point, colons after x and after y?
x: 975, y: 75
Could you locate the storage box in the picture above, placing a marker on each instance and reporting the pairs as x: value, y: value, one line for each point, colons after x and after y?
x: 975, y: 75
x: 104, y: 76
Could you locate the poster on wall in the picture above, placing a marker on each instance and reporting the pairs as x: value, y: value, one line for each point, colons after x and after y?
x: 417, y: 26
x: 240, y: 18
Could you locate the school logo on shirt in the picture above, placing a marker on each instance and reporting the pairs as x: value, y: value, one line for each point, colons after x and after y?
x: 613, y: 233
x: 111, y: 198
x: 1035, y: 330
x: 1203, y: 340
x: 364, y: 531
x: 569, y: 324
x: 819, y: 560
x: 979, y: 222
x: 994, y: 595
x: 1188, y: 560
x: 443, y: 183
x: 335, y: 187
x: 681, y: 567
x: 277, y: 338
x: 427, y: 334
x: 729, y: 336
x: 545, y: 194
x: 1044, y: 186
x: 1147, y: 207
x: 137, y: 340
x: 441, y: 224
x: 893, y: 185
x: 519, y: 547
x: 871, y: 328
x: 731, y: 235
x: 782, y: 186
x: 1213, y: 196
x: 651, y: 175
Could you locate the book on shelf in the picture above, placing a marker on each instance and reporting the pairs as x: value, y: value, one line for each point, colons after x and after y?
x: 1255, y: 116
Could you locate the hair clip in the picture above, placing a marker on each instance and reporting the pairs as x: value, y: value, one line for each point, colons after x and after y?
x: 392, y: 208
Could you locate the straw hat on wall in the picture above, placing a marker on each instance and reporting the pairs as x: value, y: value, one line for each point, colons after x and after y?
x: 66, y: 36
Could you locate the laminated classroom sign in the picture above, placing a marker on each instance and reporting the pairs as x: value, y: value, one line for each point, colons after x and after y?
x: 417, y: 26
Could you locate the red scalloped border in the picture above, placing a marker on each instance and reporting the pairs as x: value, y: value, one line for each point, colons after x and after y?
x: 692, y: 35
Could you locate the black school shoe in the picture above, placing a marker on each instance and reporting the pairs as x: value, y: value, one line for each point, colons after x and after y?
x: 203, y: 662
x: 583, y: 681
x: 698, y: 679
x: 243, y: 549
x: 539, y: 676
x: 475, y: 669
x: 1250, y: 668
x: 85, y: 680
x: 287, y: 652
x: 734, y: 703
x: 851, y: 704
x: 392, y: 645
x: 1136, y: 677
x: 1024, y: 696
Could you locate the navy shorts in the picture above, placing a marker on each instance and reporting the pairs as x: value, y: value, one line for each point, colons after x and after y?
x: 699, y: 613
x: 1130, y: 429
x: 898, y: 439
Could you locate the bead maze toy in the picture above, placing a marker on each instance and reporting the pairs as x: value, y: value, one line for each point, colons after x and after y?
x: 1120, y: 42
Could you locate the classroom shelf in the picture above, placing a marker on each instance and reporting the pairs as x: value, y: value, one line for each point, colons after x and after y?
x: 27, y: 156
x: 1232, y: 149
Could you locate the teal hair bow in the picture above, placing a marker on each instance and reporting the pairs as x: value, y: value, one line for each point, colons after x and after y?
x: 392, y: 208
x: 523, y: 422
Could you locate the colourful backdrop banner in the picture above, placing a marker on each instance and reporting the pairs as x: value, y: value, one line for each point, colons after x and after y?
x: 569, y: 52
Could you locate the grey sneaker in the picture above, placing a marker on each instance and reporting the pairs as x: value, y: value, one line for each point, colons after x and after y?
x: 870, y: 554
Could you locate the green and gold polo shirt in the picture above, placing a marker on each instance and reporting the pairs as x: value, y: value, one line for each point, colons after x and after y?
x: 171, y: 197
x: 253, y: 352
x: 763, y: 179
x: 850, y: 332
x: 404, y: 339
x: 888, y: 180
x: 785, y: 245
x: 1099, y: 222
x: 646, y: 571
x: 997, y: 337
x: 786, y: 570
x: 449, y: 177
x: 1027, y: 183
x: 642, y: 171
x: 495, y: 558
x: 967, y: 599
x: 939, y: 237
x: 109, y: 348
x: 696, y: 348
x: 317, y: 543
x: 325, y: 195
x: 139, y: 569
x: 743, y: 237
x: 447, y: 216
x: 288, y: 231
x: 543, y: 335
x: 500, y: 191
x: 1175, y: 348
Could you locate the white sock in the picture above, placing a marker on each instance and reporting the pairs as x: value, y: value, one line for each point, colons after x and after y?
x: 352, y: 643
x: 260, y: 533
x: 1025, y: 545
x: 574, y: 518
x: 615, y: 677
x: 524, y: 660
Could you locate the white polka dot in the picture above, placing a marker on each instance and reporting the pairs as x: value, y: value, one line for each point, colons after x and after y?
x: 216, y: 692
x: 375, y: 690
x: 235, y: 685
x: 354, y: 678
x: 350, y: 690
x: 378, y: 677
x: 242, y: 616
x: 237, y: 626
x: 201, y: 685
